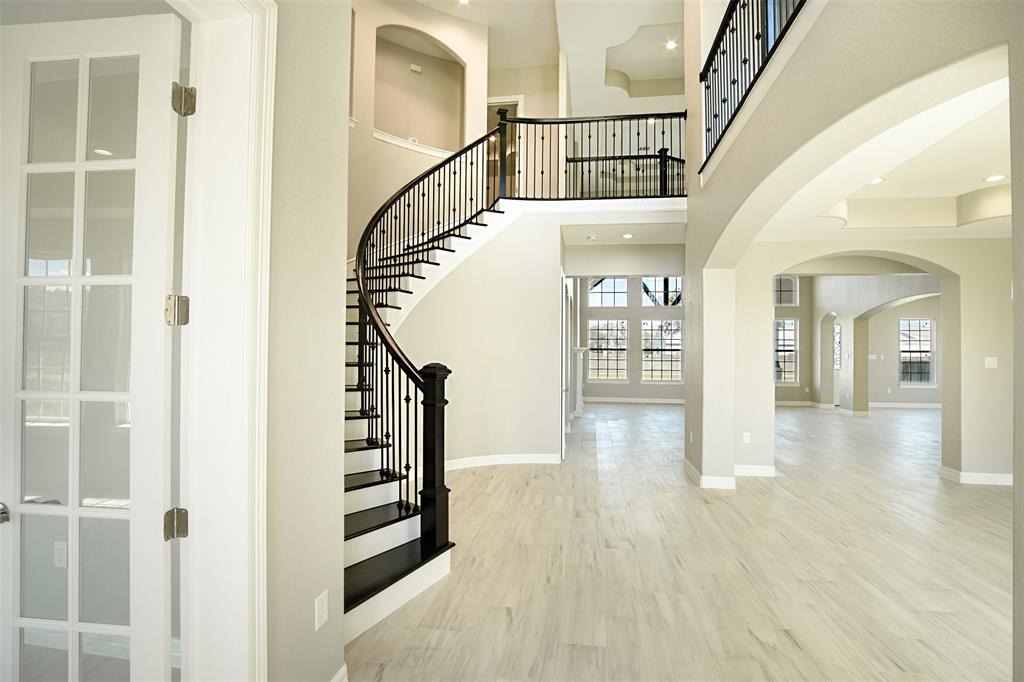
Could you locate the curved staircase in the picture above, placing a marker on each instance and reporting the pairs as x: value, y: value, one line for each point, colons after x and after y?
x: 396, y: 501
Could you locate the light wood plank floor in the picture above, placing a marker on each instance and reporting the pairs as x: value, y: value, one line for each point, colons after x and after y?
x: 856, y: 562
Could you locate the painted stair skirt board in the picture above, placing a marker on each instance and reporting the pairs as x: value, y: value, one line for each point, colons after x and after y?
x: 380, y: 585
x: 974, y: 477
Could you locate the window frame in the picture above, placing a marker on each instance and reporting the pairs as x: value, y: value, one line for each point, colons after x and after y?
x: 624, y: 350
x: 776, y: 291
x: 932, y: 345
x: 643, y: 352
x: 647, y: 302
x: 796, y: 352
x: 614, y: 293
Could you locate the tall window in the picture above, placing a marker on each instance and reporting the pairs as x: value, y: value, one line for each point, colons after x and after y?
x: 785, y: 351
x: 916, y: 345
x: 787, y: 290
x: 608, y: 344
x: 837, y: 345
x: 606, y: 292
x: 662, y: 344
x: 662, y: 290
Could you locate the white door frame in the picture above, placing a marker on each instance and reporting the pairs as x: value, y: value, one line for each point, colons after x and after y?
x: 224, y: 348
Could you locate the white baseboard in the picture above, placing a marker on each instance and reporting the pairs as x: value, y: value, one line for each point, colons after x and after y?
x: 708, y: 482
x: 825, y: 406
x: 794, y: 403
x: 974, y: 477
x: 909, y: 406
x: 650, y: 401
x: 378, y: 607
x: 760, y: 470
x: 341, y: 675
x: 492, y: 460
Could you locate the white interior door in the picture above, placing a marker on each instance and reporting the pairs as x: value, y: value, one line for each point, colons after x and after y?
x: 86, y: 223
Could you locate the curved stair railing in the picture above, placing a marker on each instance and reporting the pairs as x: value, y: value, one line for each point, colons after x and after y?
x: 534, y: 159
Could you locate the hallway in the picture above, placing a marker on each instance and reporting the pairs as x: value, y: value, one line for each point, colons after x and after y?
x: 857, y: 561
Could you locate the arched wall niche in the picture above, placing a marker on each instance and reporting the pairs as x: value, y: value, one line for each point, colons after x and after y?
x: 419, y: 88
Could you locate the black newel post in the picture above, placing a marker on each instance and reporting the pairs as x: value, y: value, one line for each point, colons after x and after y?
x: 434, y: 496
x: 663, y: 172
x: 502, y: 151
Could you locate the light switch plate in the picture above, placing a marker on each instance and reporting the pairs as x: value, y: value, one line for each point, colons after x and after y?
x: 991, y: 363
x: 746, y: 436
x: 320, y: 606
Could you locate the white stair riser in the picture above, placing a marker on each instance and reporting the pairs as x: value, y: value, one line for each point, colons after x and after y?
x: 351, y: 353
x: 381, y: 540
x: 356, y: 428
x: 390, y: 297
x: 374, y: 496
x: 365, y: 460
x: 353, y: 400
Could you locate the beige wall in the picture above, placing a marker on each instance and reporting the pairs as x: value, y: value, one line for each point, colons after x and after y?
x: 641, y: 259
x: 378, y: 168
x: 305, y: 436
x: 425, y: 106
x: 538, y: 84
x: 495, y: 321
x: 884, y: 356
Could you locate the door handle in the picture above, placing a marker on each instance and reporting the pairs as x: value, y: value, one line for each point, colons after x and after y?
x: 5, y: 515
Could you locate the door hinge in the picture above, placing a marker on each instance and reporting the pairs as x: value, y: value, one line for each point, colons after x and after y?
x: 176, y: 310
x: 183, y: 99
x: 175, y: 523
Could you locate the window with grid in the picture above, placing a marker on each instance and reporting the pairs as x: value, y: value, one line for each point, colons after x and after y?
x: 662, y: 290
x: 606, y: 292
x: 608, y: 344
x: 662, y: 344
x: 787, y: 290
x: 837, y: 346
x: 916, y: 346
x: 785, y: 352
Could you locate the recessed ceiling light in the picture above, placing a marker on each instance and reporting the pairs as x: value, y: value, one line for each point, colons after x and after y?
x: 102, y: 152
x: 493, y: 138
x: 876, y: 181
x: 592, y: 237
x: 463, y: 2
x: 995, y: 178
x: 671, y: 44
x: 628, y: 235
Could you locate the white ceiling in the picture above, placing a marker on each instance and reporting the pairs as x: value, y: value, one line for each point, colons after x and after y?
x: 645, y: 57
x: 587, y: 28
x: 522, y: 33
x: 611, y: 235
x: 954, y: 165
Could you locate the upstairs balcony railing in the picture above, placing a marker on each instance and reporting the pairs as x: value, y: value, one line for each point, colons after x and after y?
x: 750, y: 32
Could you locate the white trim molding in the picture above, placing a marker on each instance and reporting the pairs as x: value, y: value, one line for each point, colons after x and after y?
x: 341, y: 675
x: 410, y: 145
x: 825, y: 406
x: 975, y: 477
x: 494, y: 460
x: 794, y: 403
x: 909, y: 406
x: 708, y: 482
x: 755, y: 470
x: 639, y: 401
x: 520, y: 101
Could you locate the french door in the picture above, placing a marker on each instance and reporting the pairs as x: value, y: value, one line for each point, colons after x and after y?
x: 87, y: 161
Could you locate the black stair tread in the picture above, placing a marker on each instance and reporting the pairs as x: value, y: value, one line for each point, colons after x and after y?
x: 383, y: 290
x: 396, y: 275
x: 371, y: 576
x: 369, y: 344
x: 359, y: 414
x: 440, y: 236
x: 356, y: 363
x: 353, y: 306
x: 425, y: 249
x: 353, y: 323
x: 356, y: 388
x: 416, y: 261
x: 360, y: 444
x: 368, y: 479
x: 368, y: 520
x: 493, y: 210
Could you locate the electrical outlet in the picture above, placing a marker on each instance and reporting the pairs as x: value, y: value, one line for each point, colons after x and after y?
x: 60, y: 554
x: 416, y: 68
x: 320, y: 607
x: 746, y: 436
x: 807, y: 389
x: 991, y: 363
x: 888, y: 390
